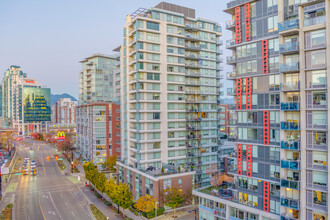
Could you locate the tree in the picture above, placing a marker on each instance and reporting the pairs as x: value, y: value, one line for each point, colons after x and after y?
x: 90, y: 172
x: 110, y: 163
x: 122, y: 196
x: 162, y: 170
x: 145, y: 204
x: 110, y: 188
x: 100, y: 182
x: 173, y: 197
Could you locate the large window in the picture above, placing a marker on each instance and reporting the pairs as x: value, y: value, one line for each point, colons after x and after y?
x: 316, y: 59
x: 315, y: 39
x: 316, y: 79
x: 152, y: 26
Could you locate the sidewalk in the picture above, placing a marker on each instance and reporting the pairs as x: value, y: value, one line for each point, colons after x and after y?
x: 92, y: 199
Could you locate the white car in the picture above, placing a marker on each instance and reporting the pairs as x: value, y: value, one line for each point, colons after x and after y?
x: 33, y: 162
x: 27, y: 158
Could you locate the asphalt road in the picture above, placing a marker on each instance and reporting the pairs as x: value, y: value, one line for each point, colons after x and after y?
x: 49, y: 195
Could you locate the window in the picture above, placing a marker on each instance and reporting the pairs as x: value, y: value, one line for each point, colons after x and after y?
x: 320, y: 178
x: 271, y: 3
x: 316, y: 79
x: 152, y: 76
x: 156, y: 115
x: 315, y: 59
x: 179, y: 181
x: 152, y: 37
x: 315, y: 39
x: 320, y: 158
x: 273, y: 24
x: 152, y: 26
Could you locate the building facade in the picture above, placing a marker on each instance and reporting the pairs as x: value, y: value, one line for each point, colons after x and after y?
x: 97, y: 131
x: 64, y: 112
x: 224, y: 120
x: 25, y: 103
x: 96, y: 78
x: 280, y: 117
x: 170, y: 90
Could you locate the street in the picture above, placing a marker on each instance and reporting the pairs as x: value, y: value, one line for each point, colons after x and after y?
x: 49, y: 194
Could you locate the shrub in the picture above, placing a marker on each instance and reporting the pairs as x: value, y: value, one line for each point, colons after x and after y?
x: 160, y: 211
x: 134, y: 211
x: 91, y: 188
x: 98, y: 195
x: 107, y: 203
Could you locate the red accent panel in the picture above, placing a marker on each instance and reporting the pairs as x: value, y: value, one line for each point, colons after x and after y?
x: 266, y: 127
x: 248, y: 89
x: 238, y: 25
x: 239, y: 159
x: 238, y: 94
x: 247, y: 22
x: 265, y: 62
x: 266, y: 197
x: 248, y: 160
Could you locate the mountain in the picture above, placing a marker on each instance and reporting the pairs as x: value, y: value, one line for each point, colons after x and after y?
x: 56, y: 97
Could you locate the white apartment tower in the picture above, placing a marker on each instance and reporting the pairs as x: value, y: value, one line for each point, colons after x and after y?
x: 170, y: 90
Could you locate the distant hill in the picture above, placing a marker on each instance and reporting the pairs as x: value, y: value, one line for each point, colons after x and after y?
x: 56, y: 97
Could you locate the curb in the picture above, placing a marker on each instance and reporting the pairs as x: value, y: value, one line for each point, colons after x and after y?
x: 89, y: 202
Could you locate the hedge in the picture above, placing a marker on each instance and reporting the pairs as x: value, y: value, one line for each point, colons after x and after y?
x: 98, y: 195
x: 160, y: 211
x: 107, y: 203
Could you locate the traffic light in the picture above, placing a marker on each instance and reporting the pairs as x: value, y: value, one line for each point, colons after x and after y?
x: 47, y: 159
x: 56, y: 157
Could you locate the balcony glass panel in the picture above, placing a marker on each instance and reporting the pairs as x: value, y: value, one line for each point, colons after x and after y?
x: 315, y: 59
x: 288, y: 67
x: 290, y: 145
x: 287, y: 25
x: 290, y: 106
x: 315, y: 39
x: 290, y: 125
x: 289, y: 47
x: 314, y: 21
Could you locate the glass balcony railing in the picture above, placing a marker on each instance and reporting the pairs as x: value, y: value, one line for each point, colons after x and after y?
x: 289, y: 67
x: 293, y: 165
x: 290, y: 145
x: 290, y: 184
x: 287, y: 25
x: 288, y: 125
x: 314, y: 21
x: 230, y: 23
x: 230, y: 43
x: 290, y: 203
x: 289, y: 47
x: 231, y: 59
x: 289, y: 106
x: 290, y: 85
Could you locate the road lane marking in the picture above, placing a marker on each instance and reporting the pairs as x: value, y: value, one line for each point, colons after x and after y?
x: 55, y: 205
x: 42, y: 212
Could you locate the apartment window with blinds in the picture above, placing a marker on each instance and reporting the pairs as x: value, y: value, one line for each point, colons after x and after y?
x: 273, y: 24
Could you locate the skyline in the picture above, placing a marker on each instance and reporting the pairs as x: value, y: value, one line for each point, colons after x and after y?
x: 56, y: 40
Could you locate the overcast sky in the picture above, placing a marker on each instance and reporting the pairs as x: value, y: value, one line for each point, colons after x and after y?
x: 49, y: 38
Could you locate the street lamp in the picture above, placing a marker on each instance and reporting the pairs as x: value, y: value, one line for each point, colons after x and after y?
x: 156, y: 204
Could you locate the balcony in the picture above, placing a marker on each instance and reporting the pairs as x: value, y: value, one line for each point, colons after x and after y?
x: 290, y: 86
x: 191, y: 27
x: 192, y: 37
x: 288, y: 25
x: 193, y: 73
x: 230, y: 24
x: 193, y: 47
x: 289, y: 67
x: 292, y: 165
x: 290, y: 125
x: 231, y: 59
x: 290, y: 184
x: 219, y: 42
x: 290, y: 106
x: 193, y: 65
x: 284, y: 217
x: 230, y: 43
x: 290, y: 145
x: 231, y: 75
x: 193, y: 56
x: 289, y: 48
x: 290, y: 203
x: 314, y: 21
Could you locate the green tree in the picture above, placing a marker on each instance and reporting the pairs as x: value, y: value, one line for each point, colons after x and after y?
x: 110, y: 163
x: 100, y: 182
x: 173, y: 197
x: 122, y: 196
x: 90, y: 172
x: 145, y: 204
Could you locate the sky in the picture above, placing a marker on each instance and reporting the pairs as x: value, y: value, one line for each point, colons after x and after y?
x: 49, y: 38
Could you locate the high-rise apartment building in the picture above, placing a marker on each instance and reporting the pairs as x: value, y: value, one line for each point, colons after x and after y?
x: 98, y: 112
x: 170, y: 86
x: 64, y: 112
x: 280, y: 82
x: 25, y: 103
x: 96, y: 78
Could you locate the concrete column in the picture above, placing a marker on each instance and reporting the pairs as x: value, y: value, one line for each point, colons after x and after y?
x: 303, y: 135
